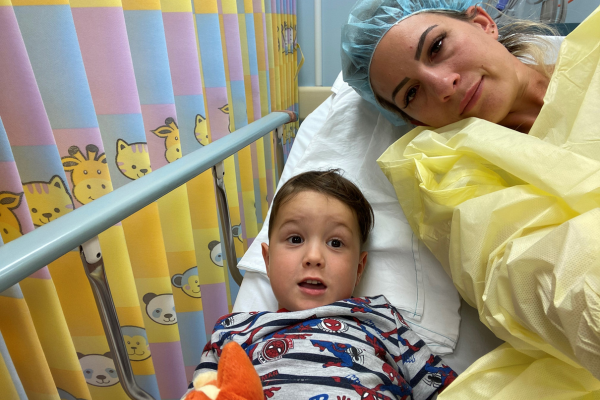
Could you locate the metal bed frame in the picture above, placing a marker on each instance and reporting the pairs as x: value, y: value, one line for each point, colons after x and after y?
x: 31, y: 252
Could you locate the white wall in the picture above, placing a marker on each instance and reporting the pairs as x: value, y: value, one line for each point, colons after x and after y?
x: 578, y: 10
x: 334, y: 14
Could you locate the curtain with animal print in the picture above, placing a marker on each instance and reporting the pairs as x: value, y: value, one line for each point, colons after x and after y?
x: 95, y: 94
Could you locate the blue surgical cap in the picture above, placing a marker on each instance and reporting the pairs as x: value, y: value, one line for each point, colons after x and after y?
x: 368, y: 22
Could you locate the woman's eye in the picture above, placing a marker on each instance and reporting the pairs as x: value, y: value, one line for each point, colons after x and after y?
x: 410, y: 95
x: 437, y: 46
x: 334, y: 243
x: 295, y: 239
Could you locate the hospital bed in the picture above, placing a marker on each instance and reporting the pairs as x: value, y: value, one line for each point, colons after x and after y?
x: 448, y: 324
x: 402, y: 268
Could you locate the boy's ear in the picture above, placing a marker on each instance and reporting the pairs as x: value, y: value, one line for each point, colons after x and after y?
x: 362, y: 263
x: 265, y: 254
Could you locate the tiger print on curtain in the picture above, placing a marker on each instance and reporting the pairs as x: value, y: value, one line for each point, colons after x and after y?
x: 95, y: 94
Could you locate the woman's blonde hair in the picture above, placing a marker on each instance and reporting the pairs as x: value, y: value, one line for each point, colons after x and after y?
x: 522, y: 38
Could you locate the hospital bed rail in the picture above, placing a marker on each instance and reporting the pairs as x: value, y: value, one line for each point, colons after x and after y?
x: 29, y: 253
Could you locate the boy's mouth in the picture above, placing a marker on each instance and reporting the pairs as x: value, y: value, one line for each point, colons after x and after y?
x: 312, y: 286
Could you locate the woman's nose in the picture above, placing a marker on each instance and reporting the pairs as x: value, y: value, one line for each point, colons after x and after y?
x: 443, y: 83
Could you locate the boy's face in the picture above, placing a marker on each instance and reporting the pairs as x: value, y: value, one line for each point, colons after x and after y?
x: 314, y: 238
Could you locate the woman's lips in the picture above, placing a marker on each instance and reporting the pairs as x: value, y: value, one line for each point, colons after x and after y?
x: 471, y: 97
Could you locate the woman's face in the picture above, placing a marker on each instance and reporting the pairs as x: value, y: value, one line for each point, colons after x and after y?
x: 439, y: 70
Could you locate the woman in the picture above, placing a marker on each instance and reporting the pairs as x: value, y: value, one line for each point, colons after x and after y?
x: 437, y: 62
x: 513, y: 218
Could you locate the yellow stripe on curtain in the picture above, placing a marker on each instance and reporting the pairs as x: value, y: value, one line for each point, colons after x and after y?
x: 240, y: 107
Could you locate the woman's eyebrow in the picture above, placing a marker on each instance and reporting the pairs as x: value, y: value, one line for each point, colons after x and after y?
x: 422, y: 41
x: 395, y: 92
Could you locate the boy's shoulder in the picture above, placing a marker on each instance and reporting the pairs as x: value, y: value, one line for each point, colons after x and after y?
x: 233, y: 320
x: 367, y: 301
x: 380, y: 301
x: 351, y: 306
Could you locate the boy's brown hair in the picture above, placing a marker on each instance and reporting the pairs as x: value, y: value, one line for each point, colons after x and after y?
x: 328, y: 183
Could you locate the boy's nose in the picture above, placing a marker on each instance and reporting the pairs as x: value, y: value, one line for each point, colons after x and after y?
x: 314, y: 257
x: 308, y: 263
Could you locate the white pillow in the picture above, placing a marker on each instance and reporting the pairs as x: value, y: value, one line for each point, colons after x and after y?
x: 352, y: 137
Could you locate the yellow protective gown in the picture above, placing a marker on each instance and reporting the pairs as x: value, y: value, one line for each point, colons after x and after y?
x: 515, y: 220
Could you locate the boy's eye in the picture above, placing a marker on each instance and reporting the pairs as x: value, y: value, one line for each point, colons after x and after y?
x: 334, y: 243
x: 295, y: 239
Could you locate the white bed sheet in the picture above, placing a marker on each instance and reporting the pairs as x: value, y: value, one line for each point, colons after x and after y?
x: 436, y: 315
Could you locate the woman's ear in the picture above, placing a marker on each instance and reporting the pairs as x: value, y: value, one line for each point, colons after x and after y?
x: 484, y: 20
x: 265, y: 253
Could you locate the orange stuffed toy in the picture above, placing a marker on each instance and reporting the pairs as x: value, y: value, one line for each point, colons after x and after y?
x: 235, y: 379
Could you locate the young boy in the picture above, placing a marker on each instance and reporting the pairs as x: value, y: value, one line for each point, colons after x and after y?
x: 323, y: 344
